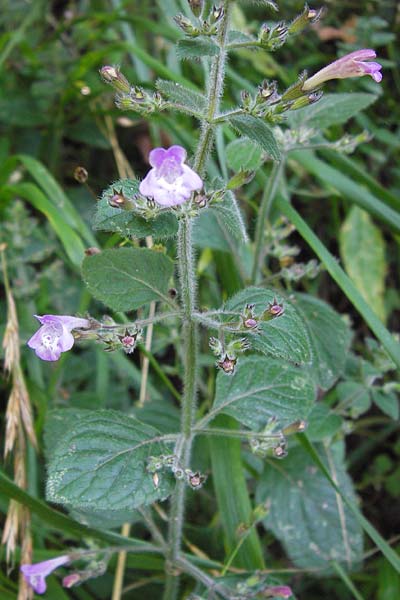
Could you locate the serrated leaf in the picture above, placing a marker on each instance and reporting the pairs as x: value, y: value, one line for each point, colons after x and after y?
x: 128, y: 224
x: 258, y: 131
x: 127, y: 278
x: 229, y: 217
x: 306, y: 515
x: 262, y: 388
x: 329, y: 336
x: 196, y: 48
x: 182, y: 95
x: 362, y: 248
x: 332, y: 109
x: 285, y: 336
x: 100, y: 461
x: 243, y: 154
x: 387, y: 402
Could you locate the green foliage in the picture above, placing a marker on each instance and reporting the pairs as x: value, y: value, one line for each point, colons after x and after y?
x: 128, y: 278
x: 362, y: 248
x: 258, y: 131
x: 307, y: 515
x: 332, y: 109
x: 277, y: 389
x: 243, y: 154
x: 99, y: 463
x: 196, y: 48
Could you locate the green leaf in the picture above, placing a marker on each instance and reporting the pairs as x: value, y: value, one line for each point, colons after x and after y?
x: 100, y: 461
x: 350, y: 190
x: 196, y: 48
x: 70, y: 240
x: 306, y: 515
x: 262, y: 388
x: 127, y: 278
x: 182, y: 95
x: 362, y: 248
x: 322, y: 423
x: 285, y: 336
x: 258, y: 131
x: 230, y: 217
x: 329, y: 336
x: 388, y: 403
x: 354, y: 396
x: 332, y: 109
x: 243, y: 154
x: 128, y: 224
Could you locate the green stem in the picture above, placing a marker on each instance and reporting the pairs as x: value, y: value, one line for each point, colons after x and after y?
x: 189, y: 325
x: 263, y: 214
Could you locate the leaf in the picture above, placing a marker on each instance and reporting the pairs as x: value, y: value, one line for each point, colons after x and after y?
x: 196, y: 48
x: 329, y: 336
x: 362, y: 248
x: 70, y: 240
x: 285, y: 336
x: 258, y: 131
x: 354, y: 396
x: 262, y: 388
x: 128, y: 224
x: 230, y: 217
x: 306, y: 515
x: 243, y: 154
x: 182, y: 95
x: 388, y: 403
x: 331, y: 109
x: 100, y: 461
x: 127, y: 278
x: 322, y: 423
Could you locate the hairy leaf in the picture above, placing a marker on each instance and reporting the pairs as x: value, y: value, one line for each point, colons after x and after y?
x: 196, y: 48
x: 100, y: 461
x: 306, y: 514
x: 262, y: 388
x: 244, y: 154
x: 332, y: 109
x: 127, y: 278
x: 182, y: 95
x: 258, y: 131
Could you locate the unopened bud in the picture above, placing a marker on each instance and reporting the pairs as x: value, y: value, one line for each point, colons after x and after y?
x: 274, y: 309
x: 114, y: 77
x: 240, y: 179
x: 81, y: 175
x: 200, y: 200
x: 195, y: 480
x: 216, y: 14
x: 216, y: 346
x: 237, y: 346
x: 296, y: 427
x: 306, y: 100
x: 70, y: 580
x: 307, y: 17
x: 118, y: 200
x: 196, y: 7
x: 186, y: 25
x: 92, y: 251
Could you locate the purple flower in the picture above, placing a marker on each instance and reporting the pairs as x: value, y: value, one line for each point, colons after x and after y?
x: 350, y: 65
x: 35, y: 575
x: 169, y: 182
x: 55, y: 335
x: 279, y: 591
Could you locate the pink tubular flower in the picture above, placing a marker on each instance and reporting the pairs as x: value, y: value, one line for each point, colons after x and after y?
x: 169, y: 182
x: 35, y: 575
x: 55, y: 335
x: 350, y: 65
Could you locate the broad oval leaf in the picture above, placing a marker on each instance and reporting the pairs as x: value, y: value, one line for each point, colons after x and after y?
x: 262, y: 388
x: 100, y: 462
x: 244, y: 154
x: 329, y: 337
x: 305, y: 513
x: 331, y: 109
x: 362, y: 248
x: 258, y: 131
x: 127, y: 278
x: 286, y: 336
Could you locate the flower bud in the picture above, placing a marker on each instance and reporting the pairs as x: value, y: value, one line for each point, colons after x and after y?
x: 227, y: 364
x: 72, y: 579
x: 306, y: 100
x: 114, y: 77
x: 195, y: 480
x: 186, y: 25
x: 239, y: 179
x: 92, y: 251
x: 273, y: 38
x: 118, y: 200
x: 216, y: 346
x: 196, y: 7
x: 216, y: 14
x: 81, y: 175
x: 307, y: 17
x: 237, y: 346
x: 296, y: 427
x: 274, y: 309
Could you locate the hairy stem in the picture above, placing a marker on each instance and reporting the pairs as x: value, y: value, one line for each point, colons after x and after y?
x: 263, y: 214
x: 186, y: 267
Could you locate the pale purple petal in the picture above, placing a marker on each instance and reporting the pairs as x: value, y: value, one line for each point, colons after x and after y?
x: 66, y: 341
x: 177, y: 153
x: 192, y: 181
x: 54, y: 336
x: 157, y: 156
x: 148, y: 184
x: 279, y: 591
x: 65, y: 320
x: 49, y: 354
x: 362, y: 54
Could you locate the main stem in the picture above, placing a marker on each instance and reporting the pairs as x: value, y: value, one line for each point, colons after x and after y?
x: 187, y: 276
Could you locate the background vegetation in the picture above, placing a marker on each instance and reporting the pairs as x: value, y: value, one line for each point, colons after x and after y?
x: 57, y: 115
